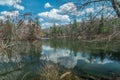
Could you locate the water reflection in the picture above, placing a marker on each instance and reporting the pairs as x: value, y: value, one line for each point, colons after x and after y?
x: 18, y: 60
x: 102, y: 58
x: 28, y: 59
x: 62, y: 56
x: 90, y: 50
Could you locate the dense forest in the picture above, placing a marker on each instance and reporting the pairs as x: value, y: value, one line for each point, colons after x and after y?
x: 91, y: 29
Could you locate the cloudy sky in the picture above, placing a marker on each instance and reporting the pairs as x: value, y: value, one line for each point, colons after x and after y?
x: 48, y: 11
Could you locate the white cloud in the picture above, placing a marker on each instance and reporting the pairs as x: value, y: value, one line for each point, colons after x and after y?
x: 60, y: 15
x: 54, y: 16
x: 81, y: 13
x: 104, y: 8
x: 14, y: 3
x: 89, y: 10
x: 68, y: 8
x: 2, y: 18
x: 19, y: 7
x: 47, y: 5
x: 109, y: 15
x: 48, y: 24
x: 41, y: 19
x: 10, y: 14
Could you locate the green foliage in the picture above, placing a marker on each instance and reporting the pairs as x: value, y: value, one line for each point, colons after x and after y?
x: 37, y: 22
x: 31, y: 32
x: 87, y: 29
x: 54, y: 30
x: 60, y: 31
x: 74, y: 26
x: 101, y: 25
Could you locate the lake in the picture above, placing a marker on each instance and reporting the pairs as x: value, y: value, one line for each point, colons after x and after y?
x: 28, y: 60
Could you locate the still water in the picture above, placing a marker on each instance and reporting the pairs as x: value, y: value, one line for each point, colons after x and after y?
x: 28, y: 59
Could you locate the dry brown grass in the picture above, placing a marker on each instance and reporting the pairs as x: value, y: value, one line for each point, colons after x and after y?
x: 52, y: 72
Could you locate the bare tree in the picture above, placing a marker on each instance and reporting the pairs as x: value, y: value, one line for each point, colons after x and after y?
x: 115, y: 4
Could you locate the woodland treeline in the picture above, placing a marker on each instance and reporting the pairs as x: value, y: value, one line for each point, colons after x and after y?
x: 98, y: 28
x: 91, y: 26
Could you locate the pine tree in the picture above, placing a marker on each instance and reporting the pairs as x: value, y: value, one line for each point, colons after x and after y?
x: 101, y: 25
x: 74, y: 27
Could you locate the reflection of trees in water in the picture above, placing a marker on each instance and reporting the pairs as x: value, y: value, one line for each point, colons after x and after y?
x: 28, y: 54
x: 21, y: 49
x: 106, y: 54
x: 95, y: 50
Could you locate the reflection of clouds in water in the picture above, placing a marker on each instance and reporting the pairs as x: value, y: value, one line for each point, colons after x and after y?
x: 94, y: 60
x: 105, y: 61
x: 67, y: 59
x: 84, y: 58
x: 13, y: 58
x: 61, y: 56
x: 4, y: 58
x: 49, y: 53
x: 68, y: 62
x: 47, y: 48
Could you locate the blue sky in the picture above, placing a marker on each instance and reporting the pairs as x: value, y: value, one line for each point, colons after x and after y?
x: 60, y: 12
